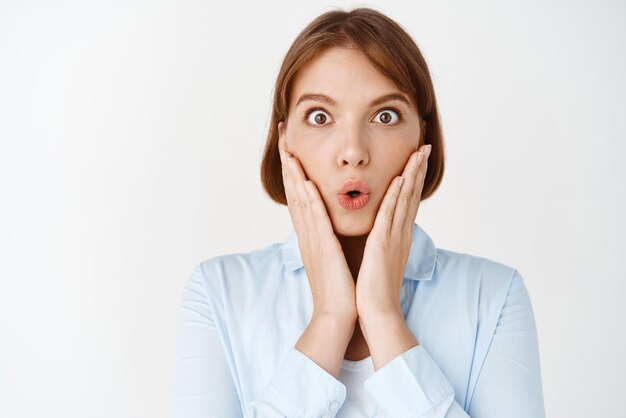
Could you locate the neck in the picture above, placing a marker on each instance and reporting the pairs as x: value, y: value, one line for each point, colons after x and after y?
x: 353, y: 249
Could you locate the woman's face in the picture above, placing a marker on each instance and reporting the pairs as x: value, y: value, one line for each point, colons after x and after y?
x: 344, y: 124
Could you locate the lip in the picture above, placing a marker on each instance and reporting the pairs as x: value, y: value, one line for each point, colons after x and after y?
x: 353, y: 203
x: 351, y: 185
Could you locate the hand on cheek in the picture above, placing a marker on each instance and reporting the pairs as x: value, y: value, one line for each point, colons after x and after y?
x: 388, y: 244
x: 330, y: 279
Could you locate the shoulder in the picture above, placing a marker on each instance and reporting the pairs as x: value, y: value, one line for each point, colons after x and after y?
x: 470, y: 262
x: 231, y: 272
x: 241, y: 263
x: 485, y: 276
x: 477, y: 289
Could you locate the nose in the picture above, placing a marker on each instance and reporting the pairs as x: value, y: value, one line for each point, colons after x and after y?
x: 353, y: 148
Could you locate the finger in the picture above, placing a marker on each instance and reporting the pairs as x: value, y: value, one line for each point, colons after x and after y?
x: 290, y: 193
x: 418, y: 187
x: 304, y: 200
x: 387, y: 210
x: 319, y: 213
x: 406, y: 194
x: 298, y: 178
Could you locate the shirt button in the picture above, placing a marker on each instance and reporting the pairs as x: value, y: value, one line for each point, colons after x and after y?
x: 334, y: 406
x: 382, y: 414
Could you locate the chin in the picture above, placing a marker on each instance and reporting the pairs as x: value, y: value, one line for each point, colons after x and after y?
x: 353, y: 226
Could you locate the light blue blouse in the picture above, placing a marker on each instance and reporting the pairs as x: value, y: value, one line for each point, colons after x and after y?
x: 242, y: 315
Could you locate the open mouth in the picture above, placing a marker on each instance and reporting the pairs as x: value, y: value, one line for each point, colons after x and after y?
x: 353, y: 200
x: 353, y: 194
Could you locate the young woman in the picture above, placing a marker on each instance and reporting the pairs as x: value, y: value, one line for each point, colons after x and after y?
x: 357, y: 313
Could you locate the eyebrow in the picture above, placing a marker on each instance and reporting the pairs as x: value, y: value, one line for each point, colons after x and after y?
x: 329, y: 100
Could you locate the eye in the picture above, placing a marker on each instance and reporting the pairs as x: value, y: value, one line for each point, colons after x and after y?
x: 316, y: 117
x: 388, y: 116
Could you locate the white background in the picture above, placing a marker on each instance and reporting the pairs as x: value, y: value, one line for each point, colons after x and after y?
x: 130, y: 141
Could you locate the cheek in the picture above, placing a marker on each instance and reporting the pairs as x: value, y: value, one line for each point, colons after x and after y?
x: 402, y: 137
x: 313, y: 157
x: 313, y: 167
x: 392, y: 156
x: 303, y: 141
x: 406, y: 136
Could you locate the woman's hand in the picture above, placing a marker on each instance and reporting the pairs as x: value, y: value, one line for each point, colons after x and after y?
x: 325, y: 264
x: 389, y: 242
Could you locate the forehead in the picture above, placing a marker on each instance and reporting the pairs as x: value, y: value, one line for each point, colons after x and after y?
x: 343, y: 73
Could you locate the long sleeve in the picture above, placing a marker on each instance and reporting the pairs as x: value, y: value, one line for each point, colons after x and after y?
x: 509, y: 384
x: 203, y: 384
x: 300, y: 388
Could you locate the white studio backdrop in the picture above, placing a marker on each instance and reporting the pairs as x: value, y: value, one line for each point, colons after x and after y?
x: 130, y: 141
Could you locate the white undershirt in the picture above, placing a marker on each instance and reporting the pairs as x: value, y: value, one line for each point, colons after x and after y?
x: 358, y: 403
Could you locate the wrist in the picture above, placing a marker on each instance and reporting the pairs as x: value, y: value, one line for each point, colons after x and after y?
x: 336, y: 322
x: 375, y: 321
x: 382, y: 313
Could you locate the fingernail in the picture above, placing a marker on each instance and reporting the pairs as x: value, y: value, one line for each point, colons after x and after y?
x: 427, y: 149
x: 400, y: 181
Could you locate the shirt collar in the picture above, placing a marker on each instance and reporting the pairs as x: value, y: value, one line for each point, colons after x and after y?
x: 420, y: 264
